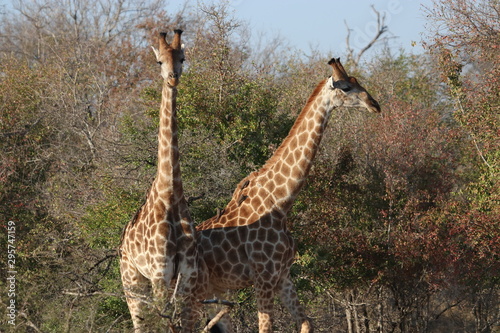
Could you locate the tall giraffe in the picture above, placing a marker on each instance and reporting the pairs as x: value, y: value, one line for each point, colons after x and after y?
x: 248, y: 242
x: 159, y: 243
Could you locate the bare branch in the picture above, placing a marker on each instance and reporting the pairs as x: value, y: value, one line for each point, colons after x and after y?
x: 350, y: 51
x: 218, y: 301
x: 29, y: 323
x: 448, y: 307
x: 381, y: 29
x: 95, y: 293
x: 190, y: 200
x: 216, y: 319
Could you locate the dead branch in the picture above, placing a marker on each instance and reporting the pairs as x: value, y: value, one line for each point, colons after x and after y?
x: 95, y: 293
x: 190, y: 200
x: 29, y: 323
x: 216, y: 319
x: 381, y: 29
x: 218, y: 301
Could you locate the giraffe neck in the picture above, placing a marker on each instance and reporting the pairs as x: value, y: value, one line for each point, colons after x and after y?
x: 168, y: 183
x: 167, y: 187
x: 291, y: 162
x: 269, y: 193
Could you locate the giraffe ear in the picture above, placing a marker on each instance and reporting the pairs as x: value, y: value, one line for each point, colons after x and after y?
x: 157, y: 53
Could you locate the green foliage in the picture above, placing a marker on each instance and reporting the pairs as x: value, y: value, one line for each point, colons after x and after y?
x: 101, y: 226
x: 24, y: 137
x: 244, y: 118
x: 112, y: 306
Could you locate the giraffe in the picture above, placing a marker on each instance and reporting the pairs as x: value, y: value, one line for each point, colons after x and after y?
x: 248, y: 243
x: 159, y: 243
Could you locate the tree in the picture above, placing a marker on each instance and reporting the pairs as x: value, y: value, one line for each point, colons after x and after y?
x: 465, y: 46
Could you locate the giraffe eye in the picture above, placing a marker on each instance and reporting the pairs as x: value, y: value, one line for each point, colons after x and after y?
x: 159, y: 63
x: 346, y: 89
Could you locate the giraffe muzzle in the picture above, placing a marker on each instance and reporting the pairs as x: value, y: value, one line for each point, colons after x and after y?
x: 173, y: 79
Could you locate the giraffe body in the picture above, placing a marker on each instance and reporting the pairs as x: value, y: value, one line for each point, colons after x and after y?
x: 158, y: 245
x: 248, y: 243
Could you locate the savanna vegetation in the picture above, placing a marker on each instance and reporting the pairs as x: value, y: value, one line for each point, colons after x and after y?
x: 398, y: 226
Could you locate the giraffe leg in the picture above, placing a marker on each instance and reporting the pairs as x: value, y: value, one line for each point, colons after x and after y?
x: 265, y: 308
x: 265, y: 300
x: 136, y: 289
x: 164, y: 271
x: 185, y: 296
x: 190, y: 311
x: 290, y: 299
x: 189, y: 293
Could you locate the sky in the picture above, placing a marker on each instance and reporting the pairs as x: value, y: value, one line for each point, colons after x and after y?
x: 320, y: 24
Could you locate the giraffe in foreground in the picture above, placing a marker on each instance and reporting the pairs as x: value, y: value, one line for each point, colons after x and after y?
x: 248, y: 242
x: 158, y: 245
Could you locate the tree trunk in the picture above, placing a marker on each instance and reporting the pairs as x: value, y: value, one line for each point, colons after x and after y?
x: 380, y: 312
x: 348, y: 316
x: 354, y: 307
x: 348, y: 312
x: 366, y: 321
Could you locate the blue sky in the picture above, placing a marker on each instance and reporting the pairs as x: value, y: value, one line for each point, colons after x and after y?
x: 319, y: 24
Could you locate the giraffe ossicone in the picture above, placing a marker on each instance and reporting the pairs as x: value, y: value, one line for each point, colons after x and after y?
x: 248, y: 243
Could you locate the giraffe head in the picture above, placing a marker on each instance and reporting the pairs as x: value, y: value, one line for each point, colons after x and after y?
x: 170, y: 57
x: 347, y: 91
